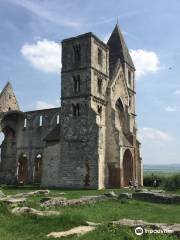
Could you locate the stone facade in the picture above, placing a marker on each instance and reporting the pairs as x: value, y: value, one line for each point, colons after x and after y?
x: 8, y: 100
x: 23, y: 147
x: 90, y: 142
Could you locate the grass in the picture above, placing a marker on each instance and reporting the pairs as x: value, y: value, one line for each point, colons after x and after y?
x: 36, y: 228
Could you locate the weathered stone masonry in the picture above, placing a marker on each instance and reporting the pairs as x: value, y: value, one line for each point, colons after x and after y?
x: 90, y: 142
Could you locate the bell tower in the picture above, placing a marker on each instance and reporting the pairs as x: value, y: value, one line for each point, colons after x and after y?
x: 84, y: 79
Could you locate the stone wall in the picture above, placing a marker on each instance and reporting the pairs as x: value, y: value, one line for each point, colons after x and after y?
x: 29, y: 130
x: 51, y: 165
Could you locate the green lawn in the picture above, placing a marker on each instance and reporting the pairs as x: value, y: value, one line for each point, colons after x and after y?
x: 36, y: 228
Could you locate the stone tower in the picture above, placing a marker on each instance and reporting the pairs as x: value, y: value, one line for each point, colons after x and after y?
x: 122, y: 150
x: 84, y: 80
x: 8, y: 99
x: 8, y: 103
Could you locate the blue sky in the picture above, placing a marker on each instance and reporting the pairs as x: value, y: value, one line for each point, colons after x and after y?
x: 30, y: 58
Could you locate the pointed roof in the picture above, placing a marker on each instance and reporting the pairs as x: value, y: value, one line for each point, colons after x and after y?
x: 118, y: 48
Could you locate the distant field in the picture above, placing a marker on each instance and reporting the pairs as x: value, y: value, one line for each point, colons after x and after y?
x: 162, y: 170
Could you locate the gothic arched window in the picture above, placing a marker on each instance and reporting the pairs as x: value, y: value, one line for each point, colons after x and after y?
x: 76, y: 110
x: 76, y: 83
x: 119, y: 105
x: 77, y: 52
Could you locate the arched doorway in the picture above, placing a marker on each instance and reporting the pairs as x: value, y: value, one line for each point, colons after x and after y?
x: 23, y: 169
x: 127, y: 167
x: 38, y: 168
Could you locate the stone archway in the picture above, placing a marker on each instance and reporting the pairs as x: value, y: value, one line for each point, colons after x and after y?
x: 38, y: 168
x: 23, y: 169
x: 127, y: 167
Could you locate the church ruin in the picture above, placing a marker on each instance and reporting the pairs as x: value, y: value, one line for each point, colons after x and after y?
x: 91, y: 140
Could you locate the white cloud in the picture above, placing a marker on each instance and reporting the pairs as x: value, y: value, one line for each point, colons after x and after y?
x: 171, y: 109
x: 145, y: 62
x: 45, y: 105
x: 177, y: 92
x: 44, y: 55
x: 153, y: 134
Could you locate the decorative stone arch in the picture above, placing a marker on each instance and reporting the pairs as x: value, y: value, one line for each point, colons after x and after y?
x: 38, y: 168
x: 119, y: 114
x: 122, y: 118
x: 127, y: 167
x: 22, y: 172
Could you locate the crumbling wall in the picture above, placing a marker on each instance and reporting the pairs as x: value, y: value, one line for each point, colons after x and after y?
x: 8, y: 99
x: 30, y: 129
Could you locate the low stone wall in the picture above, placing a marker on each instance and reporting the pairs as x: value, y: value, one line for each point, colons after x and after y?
x: 157, y: 197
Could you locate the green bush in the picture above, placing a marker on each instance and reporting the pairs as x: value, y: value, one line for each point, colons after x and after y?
x: 148, y: 180
x: 170, y: 183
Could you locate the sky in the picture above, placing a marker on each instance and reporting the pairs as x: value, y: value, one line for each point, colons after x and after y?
x: 30, y: 58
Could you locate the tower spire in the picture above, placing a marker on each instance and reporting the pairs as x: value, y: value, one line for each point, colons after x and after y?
x: 117, y: 23
x: 118, y: 49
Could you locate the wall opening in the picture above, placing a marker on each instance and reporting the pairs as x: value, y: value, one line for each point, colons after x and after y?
x: 129, y: 78
x: 57, y: 119
x: 100, y: 56
x: 76, y: 83
x: 76, y: 110
x: 38, y: 168
x: 127, y: 167
x: 25, y: 122
x: 23, y: 169
x: 77, y: 52
x: 1, y: 141
x: 99, y: 85
x: 119, y: 105
x: 40, y: 121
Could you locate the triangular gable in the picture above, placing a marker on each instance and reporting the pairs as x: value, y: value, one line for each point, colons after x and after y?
x: 118, y: 86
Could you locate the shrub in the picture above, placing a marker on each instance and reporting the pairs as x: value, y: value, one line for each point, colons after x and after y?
x: 170, y: 183
x: 148, y: 180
